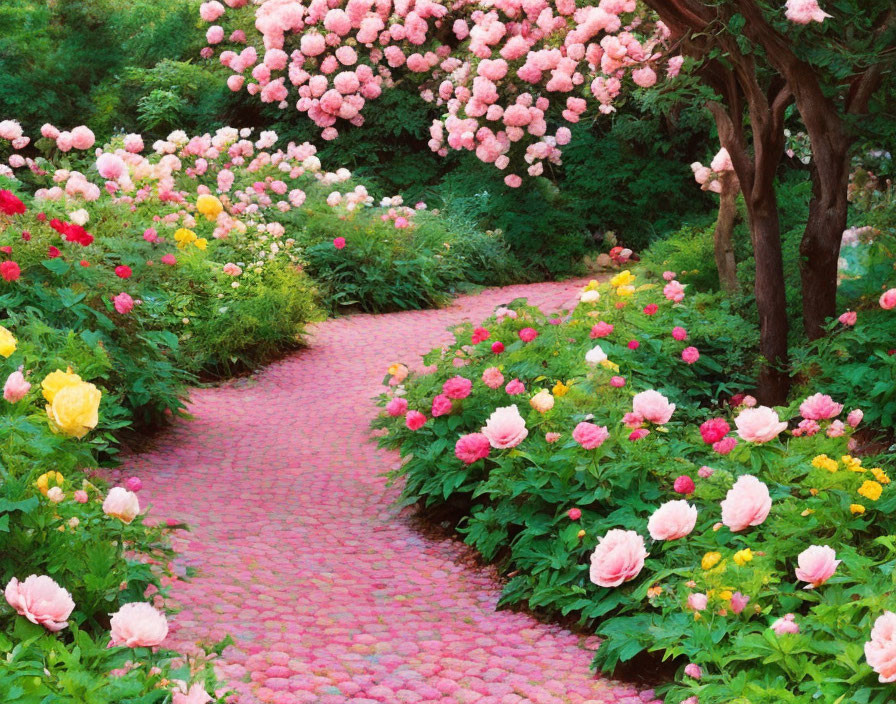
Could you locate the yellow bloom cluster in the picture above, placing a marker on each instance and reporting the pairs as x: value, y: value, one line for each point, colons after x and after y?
x: 853, y: 464
x: 710, y: 560
x: 622, y: 282
x: 185, y: 238
x: 825, y: 462
x: 7, y: 342
x: 871, y: 490
x: 209, y: 206
x: 560, y: 389
x: 742, y: 557
x: 72, y: 404
x: 880, y: 475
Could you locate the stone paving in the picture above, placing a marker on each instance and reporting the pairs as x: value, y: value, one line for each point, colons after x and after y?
x: 300, y: 554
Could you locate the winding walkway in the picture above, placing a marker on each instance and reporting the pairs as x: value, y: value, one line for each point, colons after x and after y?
x: 299, y: 553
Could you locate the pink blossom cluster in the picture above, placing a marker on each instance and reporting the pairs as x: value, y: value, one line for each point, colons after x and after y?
x: 709, y: 177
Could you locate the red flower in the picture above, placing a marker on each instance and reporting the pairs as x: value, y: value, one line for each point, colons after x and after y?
x: 528, y: 334
x: 714, y: 430
x: 651, y: 308
x: 6, y: 250
x: 42, y: 217
x: 684, y: 485
x: 26, y: 236
x: 633, y: 344
x: 53, y: 252
x: 123, y: 272
x: 84, y: 262
x: 574, y: 514
x: 497, y: 347
x: 10, y: 204
x: 480, y: 335
x: 339, y: 243
x: 10, y: 271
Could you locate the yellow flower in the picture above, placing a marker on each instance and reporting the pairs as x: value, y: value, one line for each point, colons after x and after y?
x: 74, y: 409
x: 742, y: 557
x: 7, y: 342
x: 183, y: 237
x: 201, y: 243
x: 710, y: 560
x: 56, y: 381
x: 654, y: 591
x: 623, y: 278
x: 807, y: 512
x: 560, y: 389
x: 852, y: 463
x: 871, y: 490
x: 725, y: 595
x: 209, y: 206
x: 625, y: 290
x: 47, y: 480
x: 580, y: 534
x: 824, y: 462
x: 880, y: 475
x: 542, y: 401
x: 856, y: 509
x: 592, y: 285
x: 607, y: 364
x: 398, y: 372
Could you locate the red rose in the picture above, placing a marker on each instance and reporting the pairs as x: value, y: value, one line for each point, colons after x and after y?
x: 123, y: 272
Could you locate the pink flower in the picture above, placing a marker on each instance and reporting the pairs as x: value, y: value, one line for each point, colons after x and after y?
x: 134, y: 484
x: 759, y: 424
x: 196, y: 694
x: 492, y: 377
x: 674, y: 291
x: 848, y: 318
x: 653, y: 406
x: 41, y: 601
x: 80, y: 496
x: 697, y: 601
x: 121, y: 504
x: 855, y: 417
x: 169, y: 259
x: 820, y: 407
x: 638, y: 434
x: 441, y: 405
x: 880, y: 651
x: 457, y: 387
x: 618, y: 557
x: 749, y: 401
x: 574, y: 514
x: 672, y: 520
x: 497, y: 347
x: 632, y: 420
x: 786, y: 624
x: 679, y: 333
x: 16, y: 388
x: 836, y: 429
x: 633, y: 344
x: 888, y: 299
x: 602, y: 329
x: 339, y: 242
x: 705, y: 472
x: 725, y: 445
x: 528, y: 334
x: 124, y: 304
x: 589, y: 435
x: 651, y: 309
x: 138, y: 625
x: 739, y: 602
x: 505, y: 428
x: 617, y: 382
x: 714, y: 430
x: 746, y: 504
x: 807, y: 428
x: 551, y: 437
x: 804, y: 11
x: 690, y: 354
x: 693, y: 670
x: 817, y: 564
x: 472, y: 447
x: 684, y: 484
x: 515, y: 387
x: 397, y: 407
x: 668, y: 275
x: 414, y: 420
x: 480, y: 335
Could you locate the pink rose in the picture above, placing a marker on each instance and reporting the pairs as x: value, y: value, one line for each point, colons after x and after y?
x: 759, y: 424
x: 122, y: 504
x: 653, y: 406
x: 820, y: 407
x: 880, y: 651
x: 888, y: 299
x: 855, y: 417
x: 472, y: 447
x: 697, y: 601
x: 515, y: 387
x: 817, y: 564
x: 16, y: 388
x: 618, y: 557
x: 397, y: 407
x: 196, y: 694
x: 684, y: 485
x: 848, y: 318
x: 746, y: 504
x: 457, y: 387
x: 528, y: 334
x: 787, y: 624
x: 739, y: 602
x: 725, y: 445
x: 589, y: 435
x: 672, y: 520
x: 690, y: 355
x: 505, y: 428
x: 414, y: 420
x: 41, y: 601
x: 138, y: 625
x: 441, y: 405
x: 123, y: 303
x: 693, y: 670
x: 492, y: 377
x: 679, y: 333
x: 602, y: 329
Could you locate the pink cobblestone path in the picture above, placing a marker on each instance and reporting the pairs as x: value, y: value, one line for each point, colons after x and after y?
x: 302, y: 557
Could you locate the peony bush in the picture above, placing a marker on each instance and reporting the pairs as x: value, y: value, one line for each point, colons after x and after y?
x: 622, y: 479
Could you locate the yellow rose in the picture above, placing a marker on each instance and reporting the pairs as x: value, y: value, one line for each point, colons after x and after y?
x: 209, y: 206
x: 871, y: 490
x: 856, y: 509
x: 560, y: 389
x: 74, y: 410
x: 57, y: 381
x: 7, y: 342
x: 742, y: 557
x: 201, y: 243
x: 47, y: 480
x: 880, y: 475
x: 710, y: 560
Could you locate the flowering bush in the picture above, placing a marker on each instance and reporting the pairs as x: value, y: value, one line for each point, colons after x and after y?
x: 638, y: 488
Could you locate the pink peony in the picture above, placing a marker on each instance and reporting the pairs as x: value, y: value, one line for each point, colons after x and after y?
x: 457, y: 387
x: 82, y: 138
x: 515, y: 387
x: 807, y: 428
x: 888, y: 299
x: 848, y: 318
x: 679, y: 334
x: 134, y: 484
x: 759, y: 424
x: 492, y: 377
x: 589, y: 435
x: 690, y: 354
x: 651, y: 309
x: 472, y: 447
x: 339, y: 242
x: 633, y: 344
x: 725, y: 445
x: 739, y: 602
x: 693, y: 670
x: 110, y: 166
x: 820, y: 407
x: 138, y: 625
x: 855, y: 417
x: 505, y: 428
x: 16, y: 388
x: 618, y: 557
x: 41, y: 601
x: 574, y: 514
x: 674, y: 291
x: 672, y: 520
x: 528, y: 334
x: 632, y: 420
x: 714, y: 430
x: 551, y: 437
x: 169, y: 259
x: 441, y: 405
x: 817, y: 564
x: 602, y: 329
x: 80, y: 496
x: 124, y: 304
x: 196, y: 694
x: 880, y: 651
x: 617, y: 382
x: 121, y: 504
x: 497, y: 347
x: 653, y: 406
x: 804, y: 11
x: 684, y: 485
x: 414, y: 420
x: 397, y: 407
x: 697, y: 601
x: 479, y: 335
x: 786, y: 624
x: 746, y: 504
x: 836, y: 429
x: 638, y: 434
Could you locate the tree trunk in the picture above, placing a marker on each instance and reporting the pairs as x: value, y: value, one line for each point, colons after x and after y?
x: 722, y: 236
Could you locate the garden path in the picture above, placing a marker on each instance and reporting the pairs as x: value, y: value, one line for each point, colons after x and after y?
x: 300, y: 554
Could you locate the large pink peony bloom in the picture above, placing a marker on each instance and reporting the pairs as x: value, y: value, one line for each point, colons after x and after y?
x: 880, y: 651
x: 618, y: 557
x: 492, y: 377
x: 804, y: 11
x: 414, y: 420
x: 653, y: 406
x: 472, y: 447
x: 441, y: 405
x: 138, y: 625
x: 759, y: 424
x: 397, y: 407
x: 457, y: 387
x: 505, y: 428
x: 672, y: 520
x: 888, y: 299
x: 121, y: 504
x: 41, y: 601
x: 820, y: 407
x: 746, y: 504
x: 817, y: 564
x: 589, y: 435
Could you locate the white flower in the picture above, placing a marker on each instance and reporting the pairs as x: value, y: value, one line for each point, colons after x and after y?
x: 595, y: 355
x: 590, y: 296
